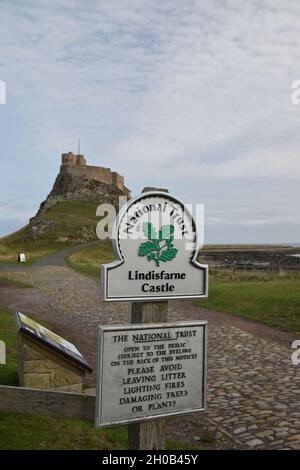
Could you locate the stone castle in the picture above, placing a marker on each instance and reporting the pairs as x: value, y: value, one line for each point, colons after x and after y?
x: 76, y: 166
x: 77, y: 181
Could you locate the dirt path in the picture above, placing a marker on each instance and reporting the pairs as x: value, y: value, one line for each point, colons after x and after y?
x: 253, y: 398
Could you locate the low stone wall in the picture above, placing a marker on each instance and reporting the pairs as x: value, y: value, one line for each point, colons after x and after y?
x: 42, y: 369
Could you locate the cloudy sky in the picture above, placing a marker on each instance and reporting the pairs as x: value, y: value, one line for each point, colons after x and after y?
x: 192, y: 95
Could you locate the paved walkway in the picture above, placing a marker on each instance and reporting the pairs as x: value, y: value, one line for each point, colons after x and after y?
x: 253, y: 390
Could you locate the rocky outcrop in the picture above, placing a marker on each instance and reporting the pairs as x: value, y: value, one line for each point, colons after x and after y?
x: 68, y: 188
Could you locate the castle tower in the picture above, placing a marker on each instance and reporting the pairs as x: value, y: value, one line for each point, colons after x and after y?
x: 75, y: 166
x: 70, y: 159
x: 81, y: 160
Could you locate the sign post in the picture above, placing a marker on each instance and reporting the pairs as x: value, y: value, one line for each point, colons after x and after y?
x: 148, y: 435
x: 155, y: 242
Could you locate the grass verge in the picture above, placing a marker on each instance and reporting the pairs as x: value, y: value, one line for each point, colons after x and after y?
x: 88, y: 260
x: 24, y: 432
x: 9, y: 280
x: 33, y: 250
x: 8, y: 371
x: 269, y: 298
x: 62, y: 225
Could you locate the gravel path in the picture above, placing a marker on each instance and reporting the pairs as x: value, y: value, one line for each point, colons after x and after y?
x: 253, y: 398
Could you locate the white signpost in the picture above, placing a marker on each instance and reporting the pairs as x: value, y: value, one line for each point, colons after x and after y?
x: 150, y: 371
x: 22, y: 258
x: 155, y: 242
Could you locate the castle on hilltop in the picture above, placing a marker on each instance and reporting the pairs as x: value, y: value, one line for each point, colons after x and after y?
x: 76, y: 166
x: 76, y: 181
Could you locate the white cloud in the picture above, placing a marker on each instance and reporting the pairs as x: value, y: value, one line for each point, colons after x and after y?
x: 190, y: 95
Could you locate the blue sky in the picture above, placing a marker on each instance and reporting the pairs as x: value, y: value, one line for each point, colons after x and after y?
x: 190, y: 95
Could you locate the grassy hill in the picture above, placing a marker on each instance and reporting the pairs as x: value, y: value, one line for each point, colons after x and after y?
x: 65, y: 223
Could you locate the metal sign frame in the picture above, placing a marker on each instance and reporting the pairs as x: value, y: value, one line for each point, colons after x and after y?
x: 99, y: 422
x: 105, y: 268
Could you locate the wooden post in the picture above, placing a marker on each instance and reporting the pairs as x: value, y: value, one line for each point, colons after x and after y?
x: 149, y: 435
x: 149, y: 312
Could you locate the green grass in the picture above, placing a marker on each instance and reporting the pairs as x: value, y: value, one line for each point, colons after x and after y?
x: 21, y: 431
x: 10, y: 280
x: 8, y: 334
x: 42, y: 432
x: 69, y: 218
x: 8, y: 371
x: 32, y: 249
x: 88, y: 260
x: 207, y: 438
x: 272, y: 299
x: 24, y: 432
